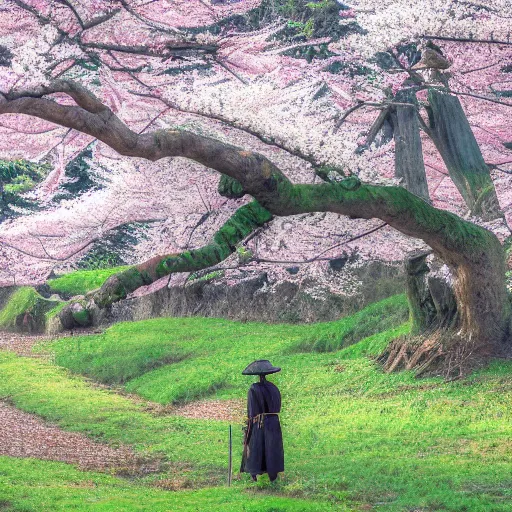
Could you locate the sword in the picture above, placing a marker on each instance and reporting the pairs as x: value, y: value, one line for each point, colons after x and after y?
x: 230, y: 463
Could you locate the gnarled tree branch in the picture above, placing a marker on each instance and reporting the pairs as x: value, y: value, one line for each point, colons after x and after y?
x: 473, y: 253
x: 241, y: 224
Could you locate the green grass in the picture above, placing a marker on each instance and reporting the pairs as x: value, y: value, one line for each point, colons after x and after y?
x: 207, y: 351
x: 353, y: 435
x: 32, y: 485
x: 82, y: 281
x: 378, y: 317
x: 21, y: 300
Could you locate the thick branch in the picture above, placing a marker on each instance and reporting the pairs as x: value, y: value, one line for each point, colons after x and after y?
x: 171, y: 47
x: 258, y: 175
x: 245, y: 220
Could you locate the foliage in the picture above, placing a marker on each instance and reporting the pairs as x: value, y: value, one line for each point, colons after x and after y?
x: 244, y: 255
x: 306, y: 19
x: 16, y: 178
x: 292, y: 106
x: 114, y: 248
x: 82, y: 281
x: 79, y: 177
x: 5, y: 56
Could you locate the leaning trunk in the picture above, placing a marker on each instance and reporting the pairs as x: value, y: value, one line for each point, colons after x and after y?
x: 452, y: 135
x: 482, y: 301
x: 451, y: 334
x: 409, y: 165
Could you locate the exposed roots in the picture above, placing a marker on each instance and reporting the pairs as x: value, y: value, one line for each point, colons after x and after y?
x: 441, y: 353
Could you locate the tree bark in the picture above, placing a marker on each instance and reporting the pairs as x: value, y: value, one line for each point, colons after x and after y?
x: 409, y: 163
x: 422, y: 311
x: 474, y: 254
x: 452, y: 135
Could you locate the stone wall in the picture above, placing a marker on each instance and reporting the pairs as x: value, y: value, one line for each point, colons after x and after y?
x: 256, y: 298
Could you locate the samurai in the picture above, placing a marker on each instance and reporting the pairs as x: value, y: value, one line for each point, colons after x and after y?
x: 263, y: 441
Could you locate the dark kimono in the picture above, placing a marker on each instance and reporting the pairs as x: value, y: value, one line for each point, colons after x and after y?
x: 263, y: 444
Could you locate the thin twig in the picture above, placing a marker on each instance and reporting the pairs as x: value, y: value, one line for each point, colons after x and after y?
x: 467, y: 40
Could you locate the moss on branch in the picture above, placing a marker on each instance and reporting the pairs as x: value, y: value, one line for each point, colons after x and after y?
x: 241, y: 224
x: 230, y: 188
x: 245, y: 220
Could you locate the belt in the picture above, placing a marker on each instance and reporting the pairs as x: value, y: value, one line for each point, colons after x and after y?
x: 260, y: 418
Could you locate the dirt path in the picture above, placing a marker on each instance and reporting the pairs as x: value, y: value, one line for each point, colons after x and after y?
x: 25, y: 435
x: 216, y: 410
x: 220, y: 410
x: 22, y: 343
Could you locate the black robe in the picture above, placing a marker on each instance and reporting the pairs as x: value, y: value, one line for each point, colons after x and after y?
x: 263, y: 445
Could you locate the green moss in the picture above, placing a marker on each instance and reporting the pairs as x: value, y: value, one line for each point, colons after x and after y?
x: 25, y: 300
x: 229, y: 187
x: 20, y: 301
x: 82, y: 317
x: 243, y: 222
x: 82, y: 281
x: 120, y: 285
x: 52, y: 313
x: 18, y: 177
x: 207, y: 277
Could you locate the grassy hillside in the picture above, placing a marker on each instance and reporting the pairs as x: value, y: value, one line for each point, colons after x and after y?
x: 355, y: 438
x: 80, y: 282
x: 207, y: 354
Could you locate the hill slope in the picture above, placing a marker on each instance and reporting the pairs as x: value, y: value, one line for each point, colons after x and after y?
x: 355, y: 438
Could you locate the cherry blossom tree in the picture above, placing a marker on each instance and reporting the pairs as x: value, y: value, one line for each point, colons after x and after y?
x: 158, y: 82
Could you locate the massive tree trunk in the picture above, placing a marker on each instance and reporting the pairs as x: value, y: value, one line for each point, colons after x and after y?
x: 452, y: 135
x: 474, y: 254
x: 409, y: 163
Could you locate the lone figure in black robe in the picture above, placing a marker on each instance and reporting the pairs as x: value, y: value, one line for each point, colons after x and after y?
x: 263, y: 442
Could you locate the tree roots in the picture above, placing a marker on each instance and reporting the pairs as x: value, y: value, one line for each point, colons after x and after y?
x: 441, y: 353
